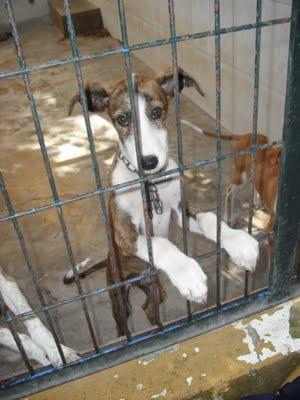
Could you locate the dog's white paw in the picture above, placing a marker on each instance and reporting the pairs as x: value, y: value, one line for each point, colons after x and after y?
x: 191, y: 281
x: 242, y: 248
x: 55, y: 359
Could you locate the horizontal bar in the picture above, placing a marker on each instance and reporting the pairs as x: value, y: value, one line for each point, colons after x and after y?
x: 259, y: 236
x: 140, y: 46
x: 141, y: 345
x: 153, y: 177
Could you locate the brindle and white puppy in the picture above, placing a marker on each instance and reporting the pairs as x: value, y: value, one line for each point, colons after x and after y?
x: 126, y: 208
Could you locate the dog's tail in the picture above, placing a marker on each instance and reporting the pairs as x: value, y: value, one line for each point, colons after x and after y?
x: 70, y: 277
x: 75, y: 99
x: 210, y: 134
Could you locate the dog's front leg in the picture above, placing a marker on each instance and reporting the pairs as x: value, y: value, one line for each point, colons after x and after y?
x: 183, y: 271
x: 33, y: 351
x: 242, y: 248
x: 40, y: 335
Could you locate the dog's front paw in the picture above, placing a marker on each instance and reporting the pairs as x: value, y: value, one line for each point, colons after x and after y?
x: 55, y: 359
x: 242, y: 248
x: 191, y: 281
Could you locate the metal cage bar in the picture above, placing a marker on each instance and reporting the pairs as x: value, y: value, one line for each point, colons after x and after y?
x: 197, y: 164
x: 141, y: 46
x: 218, y: 149
x: 254, y: 127
x: 171, y: 9
x: 135, y: 118
x: 113, y: 259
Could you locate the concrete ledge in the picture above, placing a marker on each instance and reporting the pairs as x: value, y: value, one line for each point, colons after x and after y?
x: 252, y: 355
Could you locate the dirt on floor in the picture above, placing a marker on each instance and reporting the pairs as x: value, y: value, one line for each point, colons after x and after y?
x: 23, y: 170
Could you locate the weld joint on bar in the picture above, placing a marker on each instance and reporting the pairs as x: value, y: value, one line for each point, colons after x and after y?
x: 125, y: 49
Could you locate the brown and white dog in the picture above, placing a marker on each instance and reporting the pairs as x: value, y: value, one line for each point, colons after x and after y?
x: 266, y: 172
x: 127, y: 225
x: 39, y: 345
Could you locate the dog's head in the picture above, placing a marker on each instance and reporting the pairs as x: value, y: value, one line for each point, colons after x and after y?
x: 153, y: 96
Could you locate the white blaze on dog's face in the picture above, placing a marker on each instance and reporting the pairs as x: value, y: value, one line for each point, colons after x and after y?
x: 153, y: 95
x: 153, y: 136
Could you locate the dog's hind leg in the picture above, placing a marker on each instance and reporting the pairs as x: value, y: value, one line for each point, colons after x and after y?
x: 148, y: 286
x: 119, y: 298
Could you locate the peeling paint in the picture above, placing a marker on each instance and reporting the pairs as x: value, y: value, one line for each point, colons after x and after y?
x: 189, y: 380
x: 151, y: 357
x: 273, y: 330
x: 163, y: 393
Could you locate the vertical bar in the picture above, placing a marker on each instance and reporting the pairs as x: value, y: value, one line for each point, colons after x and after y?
x: 52, y: 184
x: 218, y: 149
x: 135, y: 119
x: 179, y: 135
x: 15, y: 335
x: 30, y: 267
x: 254, y: 128
x: 113, y: 264
x: 288, y: 204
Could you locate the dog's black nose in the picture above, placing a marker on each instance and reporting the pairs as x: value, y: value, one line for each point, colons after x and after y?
x: 149, y: 162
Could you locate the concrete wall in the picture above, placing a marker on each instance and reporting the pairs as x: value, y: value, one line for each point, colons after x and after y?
x: 24, y: 10
x: 148, y: 20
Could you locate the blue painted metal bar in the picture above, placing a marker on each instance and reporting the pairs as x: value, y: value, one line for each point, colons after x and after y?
x: 254, y: 127
x: 113, y: 268
x: 179, y: 135
x: 135, y: 119
x: 152, y: 177
x: 39, y: 132
x: 140, y: 46
x: 218, y: 149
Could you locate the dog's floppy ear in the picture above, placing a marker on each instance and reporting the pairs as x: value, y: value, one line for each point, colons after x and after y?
x: 97, y: 98
x: 166, y: 82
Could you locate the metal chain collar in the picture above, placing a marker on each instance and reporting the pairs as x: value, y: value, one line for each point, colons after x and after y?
x: 152, y: 194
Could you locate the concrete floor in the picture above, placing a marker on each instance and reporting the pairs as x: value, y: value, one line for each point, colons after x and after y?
x: 22, y: 166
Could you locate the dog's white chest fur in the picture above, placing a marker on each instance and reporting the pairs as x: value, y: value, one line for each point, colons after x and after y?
x: 129, y: 199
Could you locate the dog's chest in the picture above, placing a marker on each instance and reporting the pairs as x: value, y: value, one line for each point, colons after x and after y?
x: 130, y: 201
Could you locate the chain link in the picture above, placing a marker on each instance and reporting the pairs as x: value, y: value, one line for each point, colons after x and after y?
x: 153, y: 199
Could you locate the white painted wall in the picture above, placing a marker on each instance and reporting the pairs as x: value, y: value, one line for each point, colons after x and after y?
x: 148, y: 20
x: 24, y: 10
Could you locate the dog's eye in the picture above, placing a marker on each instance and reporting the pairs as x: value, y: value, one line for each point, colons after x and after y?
x: 156, y: 112
x: 123, y: 120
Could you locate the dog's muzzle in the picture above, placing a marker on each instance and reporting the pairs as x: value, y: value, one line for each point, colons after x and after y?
x: 149, y: 162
